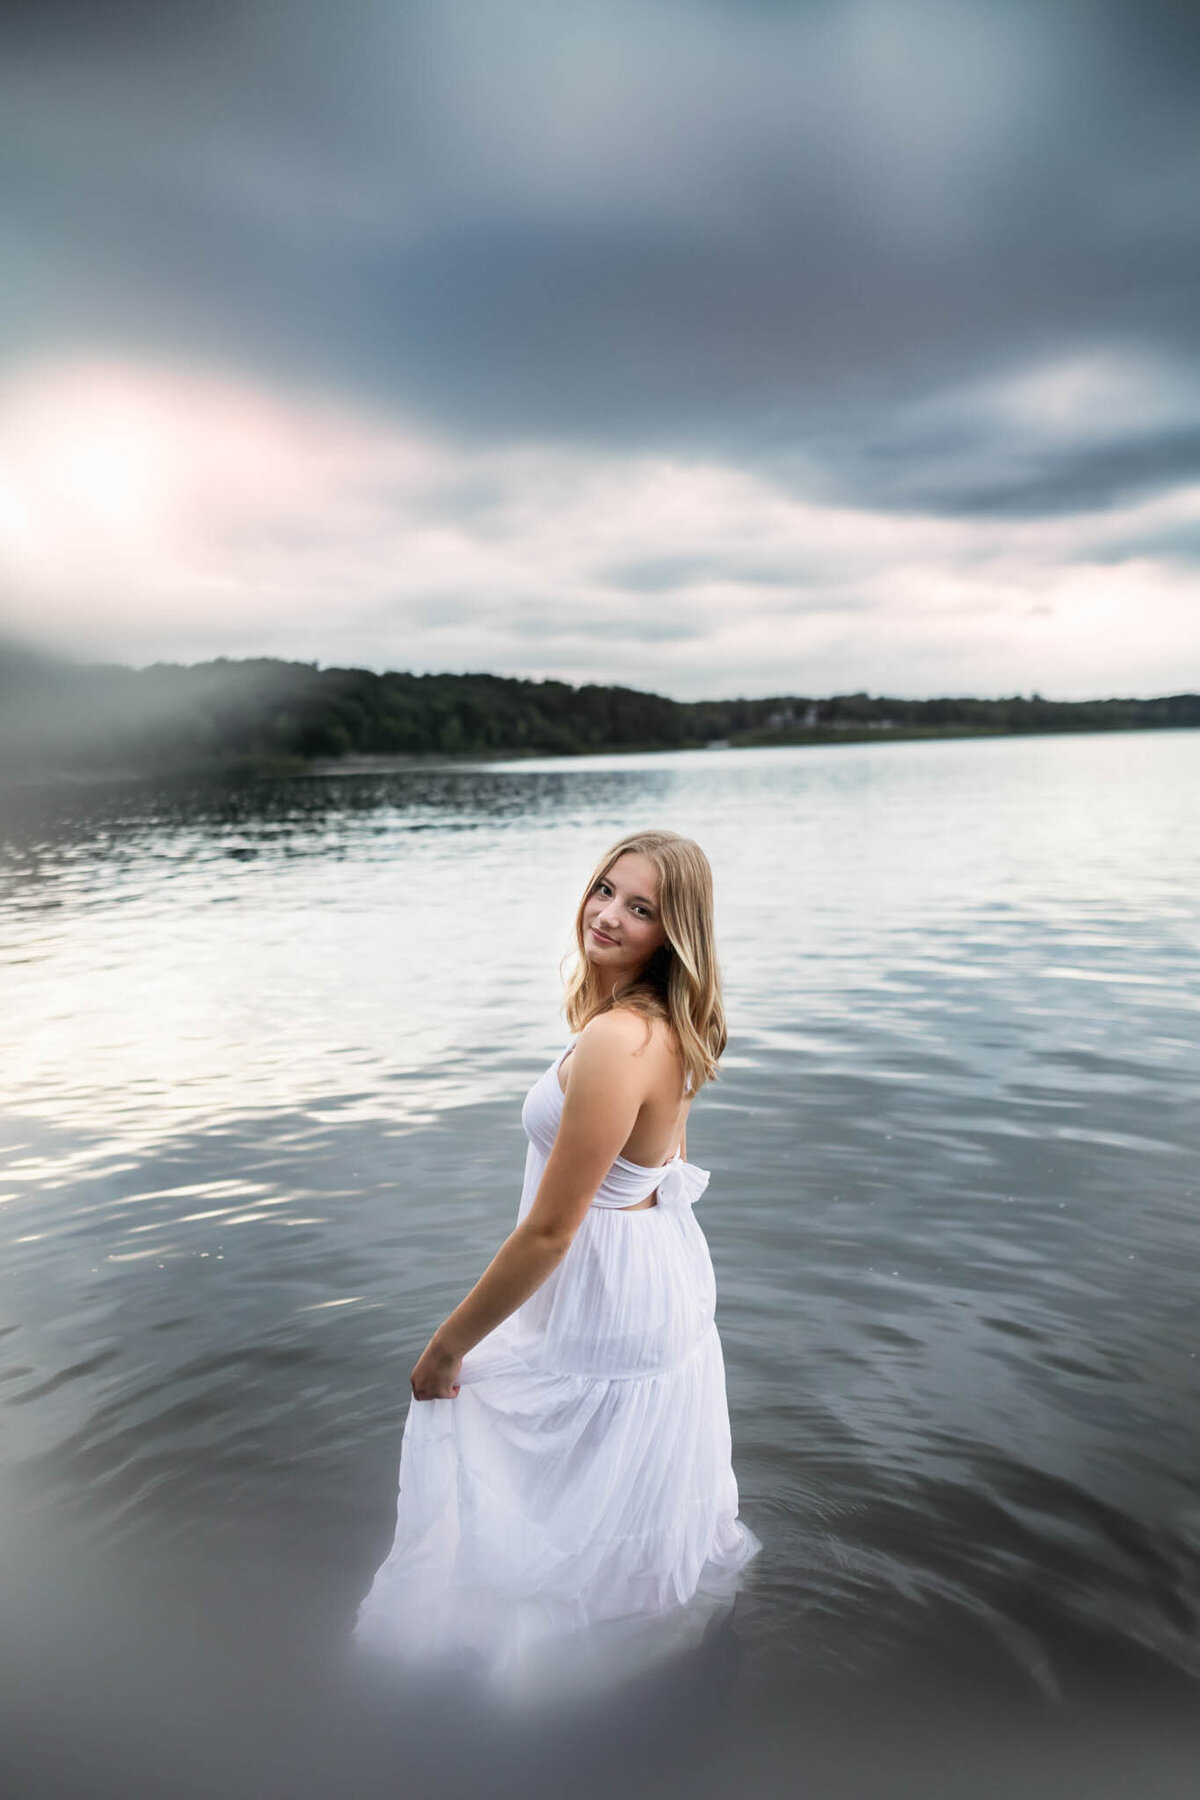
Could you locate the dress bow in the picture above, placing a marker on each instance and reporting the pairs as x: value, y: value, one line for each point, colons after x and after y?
x: 683, y: 1183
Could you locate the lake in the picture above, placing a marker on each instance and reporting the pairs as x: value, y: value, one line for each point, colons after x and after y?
x: 265, y: 1048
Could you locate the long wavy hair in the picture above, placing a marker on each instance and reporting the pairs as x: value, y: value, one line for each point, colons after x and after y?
x: 681, y: 981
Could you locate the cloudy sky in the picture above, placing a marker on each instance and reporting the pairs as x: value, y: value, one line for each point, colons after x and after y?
x: 710, y: 348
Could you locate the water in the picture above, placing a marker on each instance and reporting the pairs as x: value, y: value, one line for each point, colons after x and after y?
x: 264, y: 1053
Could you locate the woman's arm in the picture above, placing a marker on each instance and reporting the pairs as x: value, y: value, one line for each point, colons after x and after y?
x: 600, y: 1109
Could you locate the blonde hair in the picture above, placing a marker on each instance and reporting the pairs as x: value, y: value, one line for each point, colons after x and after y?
x: 681, y: 981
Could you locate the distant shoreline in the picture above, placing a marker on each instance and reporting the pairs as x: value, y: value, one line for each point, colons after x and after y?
x: 267, y: 767
x: 262, y: 717
x: 365, y: 764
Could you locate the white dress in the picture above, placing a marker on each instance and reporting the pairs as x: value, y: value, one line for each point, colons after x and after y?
x: 577, y: 1497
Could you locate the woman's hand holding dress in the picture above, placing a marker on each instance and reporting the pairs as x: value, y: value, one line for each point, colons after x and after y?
x: 435, y: 1376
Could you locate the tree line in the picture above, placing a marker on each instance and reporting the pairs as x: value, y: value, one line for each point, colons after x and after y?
x: 269, y: 713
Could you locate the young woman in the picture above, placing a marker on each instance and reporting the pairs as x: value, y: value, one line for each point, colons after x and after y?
x: 566, y: 1462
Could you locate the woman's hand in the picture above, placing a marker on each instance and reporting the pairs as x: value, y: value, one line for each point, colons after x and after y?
x: 435, y: 1376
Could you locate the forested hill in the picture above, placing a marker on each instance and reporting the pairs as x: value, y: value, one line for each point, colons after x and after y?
x: 269, y: 713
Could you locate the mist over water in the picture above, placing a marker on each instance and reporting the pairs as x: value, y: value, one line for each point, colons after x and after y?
x: 264, y: 1054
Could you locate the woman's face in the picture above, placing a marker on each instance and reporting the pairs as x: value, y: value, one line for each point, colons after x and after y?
x: 622, y: 927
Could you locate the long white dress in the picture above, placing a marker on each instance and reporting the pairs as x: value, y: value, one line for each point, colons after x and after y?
x: 575, y: 1503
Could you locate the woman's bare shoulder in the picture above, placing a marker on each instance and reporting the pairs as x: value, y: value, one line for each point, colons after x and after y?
x: 627, y: 1047
x: 641, y: 1031
x: 617, y: 1032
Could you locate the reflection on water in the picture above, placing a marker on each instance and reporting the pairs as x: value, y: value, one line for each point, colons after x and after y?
x: 265, y: 1051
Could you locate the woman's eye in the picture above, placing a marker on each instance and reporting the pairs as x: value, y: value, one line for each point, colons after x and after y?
x: 603, y: 887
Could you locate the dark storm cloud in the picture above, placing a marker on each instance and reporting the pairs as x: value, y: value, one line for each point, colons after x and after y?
x: 777, y: 234
x: 998, y: 475
x: 1082, y: 481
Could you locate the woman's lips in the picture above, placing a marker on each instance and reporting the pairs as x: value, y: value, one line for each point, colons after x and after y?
x: 600, y: 935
